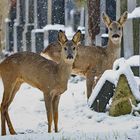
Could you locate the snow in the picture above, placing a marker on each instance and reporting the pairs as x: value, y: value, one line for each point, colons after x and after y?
x: 7, y: 20
x: 124, y: 68
x: 120, y: 66
x: 104, y: 35
x: 54, y: 27
x: 82, y: 29
x: 38, y: 31
x: 134, y: 60
x: 69, y: 32
x: 135, y: 13
x: 50, y: 27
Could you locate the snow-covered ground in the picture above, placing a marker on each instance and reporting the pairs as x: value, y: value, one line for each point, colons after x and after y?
x: 76, y: 120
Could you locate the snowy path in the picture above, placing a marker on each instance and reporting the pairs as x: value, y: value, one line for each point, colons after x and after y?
x: 76, y: 120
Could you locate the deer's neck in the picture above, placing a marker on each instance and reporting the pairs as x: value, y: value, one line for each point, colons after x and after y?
x: 113, y: 50
x: 64, y: 70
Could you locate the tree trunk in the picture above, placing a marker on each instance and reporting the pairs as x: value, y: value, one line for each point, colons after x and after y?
x: 93, y: 19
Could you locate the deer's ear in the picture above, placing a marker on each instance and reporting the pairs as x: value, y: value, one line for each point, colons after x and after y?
x: 107, y: 21
x: 122, y: 20
x: 62, y: 37
x: 77, y: 37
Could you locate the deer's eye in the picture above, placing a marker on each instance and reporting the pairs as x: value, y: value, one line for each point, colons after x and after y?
x: 110, y: 29
x: 65, y: 48
x: 73, y: 48
x: 119, y: 28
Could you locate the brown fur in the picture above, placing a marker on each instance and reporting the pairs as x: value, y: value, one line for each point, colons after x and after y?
x: 92, y: 61
x: 48, y: 76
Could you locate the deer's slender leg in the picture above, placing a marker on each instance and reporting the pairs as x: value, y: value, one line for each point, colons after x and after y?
x: 89, y: 82
x: 49, y: 109
x: 4, y: 107
x: 3, y: 120
x: 9, y: 123
x: 55, y: 112
x: 13, y: 93
x: 89, y: 87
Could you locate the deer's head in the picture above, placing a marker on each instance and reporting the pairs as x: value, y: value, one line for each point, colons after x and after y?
x: 69, y: 47
x: 115, y: 27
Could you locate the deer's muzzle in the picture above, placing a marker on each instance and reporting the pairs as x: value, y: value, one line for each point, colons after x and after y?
x: 70, y: 56
x: 115, y: 36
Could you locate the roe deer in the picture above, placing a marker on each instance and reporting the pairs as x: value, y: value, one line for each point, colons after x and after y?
x: 48, y: 76
x: 92, y: 61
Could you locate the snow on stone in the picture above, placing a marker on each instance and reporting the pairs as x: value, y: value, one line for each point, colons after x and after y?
x: 135, y: 13
x: 120, y: 67
x: 104, y: 35
x: 69, y: 32
x: 54, y: 27
x: 134, y: 60
x: 124, y: 68
x: 109, y: 75
x: 50, y: 27
x: 82, y: 29
x: 38, y: 31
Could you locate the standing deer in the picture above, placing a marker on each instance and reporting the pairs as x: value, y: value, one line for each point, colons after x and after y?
x: 92, y: 61
x: 48, y: 76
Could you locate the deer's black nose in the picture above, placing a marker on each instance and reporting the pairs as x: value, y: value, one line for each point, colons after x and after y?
x: 116, y: 36
x: 70, y: 56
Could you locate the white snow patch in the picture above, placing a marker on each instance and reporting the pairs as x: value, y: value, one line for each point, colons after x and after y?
x: 82, y: 29
x: 7, y: 20
x: 38, y: 30
x: 104, y: 35
x: 135, y: 13
x: 54, y: 27
x: 134, y: 60
x: 50, y: 27
x: 69, y: 32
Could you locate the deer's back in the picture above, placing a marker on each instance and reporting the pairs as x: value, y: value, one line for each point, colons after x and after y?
x: 29, y: 67
x: 89, y: 57
x: 53, y: 51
